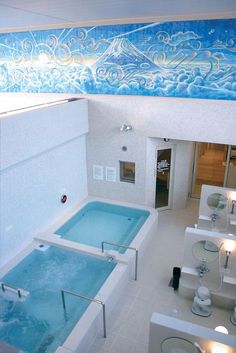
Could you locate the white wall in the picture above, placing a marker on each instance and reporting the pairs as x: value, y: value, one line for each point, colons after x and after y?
x: 43, y: 155
x: 183, y: 173
x: 104, y: 147
x: 155, y: 117
x: 163, y: 327
x: 220, y: 281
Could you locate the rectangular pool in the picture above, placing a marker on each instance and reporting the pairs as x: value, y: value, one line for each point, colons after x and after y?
x: 99, y: 221
x: 39, y: 324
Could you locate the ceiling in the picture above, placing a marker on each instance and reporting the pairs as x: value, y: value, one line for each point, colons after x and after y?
x: 18, y: 15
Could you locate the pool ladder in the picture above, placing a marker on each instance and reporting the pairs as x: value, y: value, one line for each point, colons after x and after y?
x: 12, y: 288
x: 125, y: 247
x: 94, y: 300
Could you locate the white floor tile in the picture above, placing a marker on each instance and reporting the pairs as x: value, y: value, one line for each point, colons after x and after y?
x: 129, y: 327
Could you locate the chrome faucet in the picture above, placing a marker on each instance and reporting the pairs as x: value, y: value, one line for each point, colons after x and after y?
x: 202, y: 269
x: 198, y: 347
x: 214, y: 217
x: 110, y: 258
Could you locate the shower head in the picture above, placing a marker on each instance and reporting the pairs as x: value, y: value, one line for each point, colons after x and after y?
x: 126, y: 128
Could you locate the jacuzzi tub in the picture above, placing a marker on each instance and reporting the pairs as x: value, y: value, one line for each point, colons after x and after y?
x: 136, y: 225
x: 99, y: 221
x: 35, y: 320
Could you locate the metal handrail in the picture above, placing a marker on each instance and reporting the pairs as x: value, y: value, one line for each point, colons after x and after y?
x: 63, y: 291
x: 3, y: 285
x: 125, y: 247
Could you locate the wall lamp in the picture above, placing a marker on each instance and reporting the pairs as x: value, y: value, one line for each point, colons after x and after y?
x: 229, y: 246
x: 126, y: 128
x: 221, y: 329
x: 219, y: 349
x: 232, y: 207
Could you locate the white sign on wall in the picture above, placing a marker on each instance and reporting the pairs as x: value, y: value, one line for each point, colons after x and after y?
x: 98, y: 172
x: 110, y: 174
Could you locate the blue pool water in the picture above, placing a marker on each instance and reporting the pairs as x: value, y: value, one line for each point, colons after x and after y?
x: 98, y: 221
x: 38, y: 324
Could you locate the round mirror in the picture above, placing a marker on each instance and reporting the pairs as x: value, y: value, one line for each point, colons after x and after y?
x: 178, y: 345
x: 205, y: 250
x: 217, y: 201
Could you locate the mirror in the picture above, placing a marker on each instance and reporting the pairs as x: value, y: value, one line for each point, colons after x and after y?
x: 217, y: 201
x: 179, y: 345
x: 205, y: 250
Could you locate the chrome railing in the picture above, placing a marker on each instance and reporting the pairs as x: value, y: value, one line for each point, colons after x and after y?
x: 5, y: 285
x: 125, y: 247
x: 94, y: 300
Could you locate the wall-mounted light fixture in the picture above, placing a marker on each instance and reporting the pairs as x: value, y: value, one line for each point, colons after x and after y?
x: 126, y: 128
x: 221, y: 329
x: 229, y: 246
x: 233, y: 316
x: 232, y: 197
x: 218, y: 349
x: 232, y: 206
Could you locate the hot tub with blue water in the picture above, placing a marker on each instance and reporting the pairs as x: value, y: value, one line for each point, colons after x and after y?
x: 99, y: 221
x: 38, y: 323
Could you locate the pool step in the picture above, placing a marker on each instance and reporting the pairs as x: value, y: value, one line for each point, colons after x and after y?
x: 46, y: 341
x: 7, y: 348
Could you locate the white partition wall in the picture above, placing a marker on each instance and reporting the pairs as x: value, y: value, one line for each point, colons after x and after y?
x: 168, y: 334
x: 225, y: 210
x: 219, y: 280
x: 43, y: 156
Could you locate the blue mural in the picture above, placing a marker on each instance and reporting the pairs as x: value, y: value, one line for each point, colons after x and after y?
x: 194, y: 59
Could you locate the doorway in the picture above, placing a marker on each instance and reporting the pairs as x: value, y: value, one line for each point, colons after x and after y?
x: 214, y: 164
x: 163, y: 178
x: 230, y: 177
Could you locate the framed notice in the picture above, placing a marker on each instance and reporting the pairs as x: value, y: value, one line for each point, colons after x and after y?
x: 110, y: 174
x: 98, y: 172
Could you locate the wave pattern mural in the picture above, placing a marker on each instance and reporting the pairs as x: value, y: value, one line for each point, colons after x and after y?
x: 194, y: 59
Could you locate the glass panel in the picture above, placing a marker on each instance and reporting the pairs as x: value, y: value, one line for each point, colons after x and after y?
x: 210, y: 164
x: 231, y: 178
x: 127, y: 172
x: 163, y: 177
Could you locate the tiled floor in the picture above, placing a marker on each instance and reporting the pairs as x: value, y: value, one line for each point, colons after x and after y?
x: 128, y: 329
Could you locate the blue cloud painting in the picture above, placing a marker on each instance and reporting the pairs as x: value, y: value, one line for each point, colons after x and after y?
x: 195, y: 59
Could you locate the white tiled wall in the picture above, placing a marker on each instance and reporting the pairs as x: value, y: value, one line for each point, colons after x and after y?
x: 43, y: 155
x: 151, y: 117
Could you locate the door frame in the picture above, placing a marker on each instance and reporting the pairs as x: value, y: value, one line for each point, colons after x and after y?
x: 153, y: 145
x: 171, y: 178
x: 194, y: 168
